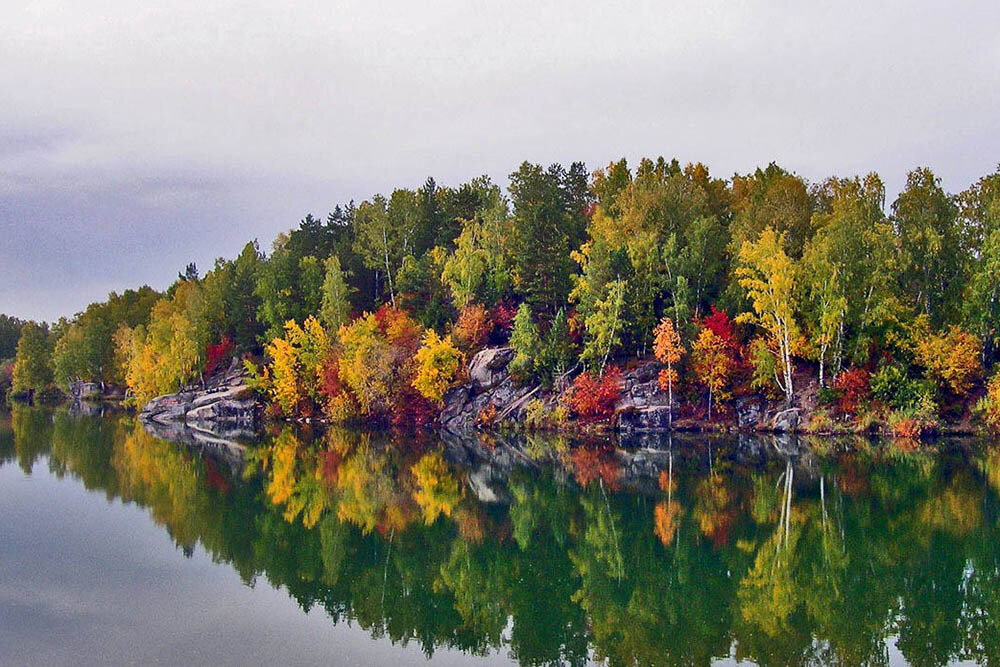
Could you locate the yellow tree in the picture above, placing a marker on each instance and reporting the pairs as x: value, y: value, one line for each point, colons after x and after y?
x: 713, y: 365
x: 668, y: 350
x: 438, y: 361
x: 767, y: 274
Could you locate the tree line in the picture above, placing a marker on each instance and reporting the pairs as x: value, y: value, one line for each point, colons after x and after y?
x: 761, y: 283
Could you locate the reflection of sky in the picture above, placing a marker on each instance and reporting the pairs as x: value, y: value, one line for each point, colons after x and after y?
x: 87, y: 580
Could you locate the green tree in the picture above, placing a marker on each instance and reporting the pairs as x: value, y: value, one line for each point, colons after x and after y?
x: 932, y: 266
x: 604, y: 327
x: 525, y: 340
x: 335, y: 310
x: 32, y: 360
x: 541, y: 246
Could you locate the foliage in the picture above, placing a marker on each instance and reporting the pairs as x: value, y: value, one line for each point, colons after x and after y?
x: 10, y: 332
x: 525, y: 340
x: 472, y: 328
x: 292, y: 379
x: 437, y: 365
x: 951, y: 358
x: 335, y: 311
x: 713, y: 365
x: 32, y: 371
x: 217, y: 353
x: 854, y: 389
x: 593, y: 397
x: 891, y: 386
x: 668, y: 350
x: 768, y: 276
x: 604, y: 327
x: 989, y: 405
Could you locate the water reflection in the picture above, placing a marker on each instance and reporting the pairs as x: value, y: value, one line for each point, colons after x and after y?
x: 678, y: 551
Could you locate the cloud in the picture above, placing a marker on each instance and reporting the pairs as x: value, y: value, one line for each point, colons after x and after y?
x: 136, y: 139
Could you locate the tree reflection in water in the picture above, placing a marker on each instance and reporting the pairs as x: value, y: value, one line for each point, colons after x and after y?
x: 682, y: 551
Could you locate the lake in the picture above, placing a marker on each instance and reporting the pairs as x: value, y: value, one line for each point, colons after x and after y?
x: 353, y: 548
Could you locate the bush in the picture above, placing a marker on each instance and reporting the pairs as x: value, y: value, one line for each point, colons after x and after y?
x: 951, y: 359
x: 473, y: 327
x: 891, y: 386
x: 593, y: 398
x: 989, y: 405
x: 539, y: 416
x: 914, y: 421
x: 216, y: 353
x: 853, y: 388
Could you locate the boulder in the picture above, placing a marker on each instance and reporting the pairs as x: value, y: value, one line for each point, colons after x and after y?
x: 649, y: 418
x: 488, y: 368
x: 226, y: 401
x: 787, y: 420
x: 749, y: 411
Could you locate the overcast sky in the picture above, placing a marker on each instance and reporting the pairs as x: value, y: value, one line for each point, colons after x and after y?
x: 137, y: 137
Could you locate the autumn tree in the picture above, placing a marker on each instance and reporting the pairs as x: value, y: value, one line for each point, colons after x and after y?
x: 713, y: 365
x: 951, y: 358
x: 767, y: 274
x: 292, y: 378
x: 668, y: 350
x: 438, y: 362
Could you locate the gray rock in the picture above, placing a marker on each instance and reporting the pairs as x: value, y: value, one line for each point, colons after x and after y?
x: 749, y: 411
x: 649, y: 418
x: 787, y: 420
x: 225, y: 401
x: 488, y: 368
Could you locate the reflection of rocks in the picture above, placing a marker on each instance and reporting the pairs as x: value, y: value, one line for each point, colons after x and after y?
x: 491, y: 460
x: 224, y: 444
x: 226, y: 401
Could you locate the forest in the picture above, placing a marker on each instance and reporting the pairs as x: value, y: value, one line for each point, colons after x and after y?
x: 760, y: 284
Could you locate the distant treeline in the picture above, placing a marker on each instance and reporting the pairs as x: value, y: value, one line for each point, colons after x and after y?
x: 738, y: 285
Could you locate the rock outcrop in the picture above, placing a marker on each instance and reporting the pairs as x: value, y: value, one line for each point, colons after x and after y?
x: 490, y: 393
x: 226, y: 401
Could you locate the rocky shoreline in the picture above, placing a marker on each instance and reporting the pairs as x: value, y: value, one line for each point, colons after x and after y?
x: 643, y: 406
x: 221, y: 411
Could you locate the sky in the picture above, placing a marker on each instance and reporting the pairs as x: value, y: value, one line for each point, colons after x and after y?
x: 138, y: 137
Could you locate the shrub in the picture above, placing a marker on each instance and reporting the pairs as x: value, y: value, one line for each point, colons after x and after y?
x: 951, y: 359
x: 891, y: 386
x: 216, y: 353
x: 914, y: 421
x: 989, y: 405
x: 853, y: 388
x: 472, y: 329
x: 487, y: 415
x: 593, y: 398
x: 539, y: 415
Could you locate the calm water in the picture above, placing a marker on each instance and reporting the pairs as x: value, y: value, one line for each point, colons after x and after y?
x: 348, y: 548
